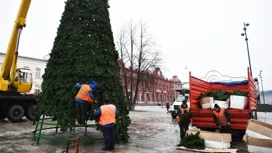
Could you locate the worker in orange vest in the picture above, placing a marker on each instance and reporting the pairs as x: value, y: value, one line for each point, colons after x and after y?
x: 84, y: 99
x: 184, y: 118
x: 107, y: 114
x: 221, y: 118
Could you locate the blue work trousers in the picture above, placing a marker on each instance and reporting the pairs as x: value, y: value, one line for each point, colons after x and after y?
x: 108, y: 133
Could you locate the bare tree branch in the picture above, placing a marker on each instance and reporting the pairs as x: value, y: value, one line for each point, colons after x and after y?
x: 138, y: 52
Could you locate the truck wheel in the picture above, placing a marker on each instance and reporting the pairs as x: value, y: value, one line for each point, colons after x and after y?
x: 174, y: 116
x: 15, y: 113
x: 208, y: 129
x: 31, y: 112
x: 253, y: 115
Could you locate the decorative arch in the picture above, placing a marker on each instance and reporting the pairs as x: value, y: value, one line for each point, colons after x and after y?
x: 216, y: 76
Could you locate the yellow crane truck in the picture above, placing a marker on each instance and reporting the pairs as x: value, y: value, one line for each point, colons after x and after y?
x: 16, y: 83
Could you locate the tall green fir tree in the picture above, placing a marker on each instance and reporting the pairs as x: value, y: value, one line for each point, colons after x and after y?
x: 83, y: 51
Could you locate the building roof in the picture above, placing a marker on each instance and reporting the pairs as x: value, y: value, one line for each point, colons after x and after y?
x: 267, y: 91
x: 175, y: 79
x: 32, y: 58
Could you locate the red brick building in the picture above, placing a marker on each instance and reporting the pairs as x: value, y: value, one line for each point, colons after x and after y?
x: 153, y: 88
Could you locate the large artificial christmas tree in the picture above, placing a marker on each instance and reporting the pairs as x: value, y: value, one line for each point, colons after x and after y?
x: 83, y: 51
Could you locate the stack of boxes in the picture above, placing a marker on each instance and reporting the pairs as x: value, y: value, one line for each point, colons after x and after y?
x: 234, y: 102
x: 258, y: 136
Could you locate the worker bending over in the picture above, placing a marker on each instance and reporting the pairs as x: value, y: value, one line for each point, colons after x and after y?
x: 84, y: 99
x: 221, y: 118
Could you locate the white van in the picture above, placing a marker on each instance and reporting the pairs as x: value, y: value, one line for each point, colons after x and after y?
x: 176, y: 105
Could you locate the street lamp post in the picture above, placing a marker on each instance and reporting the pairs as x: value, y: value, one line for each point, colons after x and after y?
x: 262, y: 84
x: 246, y: 39
x: 161, y: 99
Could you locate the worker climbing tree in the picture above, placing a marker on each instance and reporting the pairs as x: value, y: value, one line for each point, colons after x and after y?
x: 83, y: 50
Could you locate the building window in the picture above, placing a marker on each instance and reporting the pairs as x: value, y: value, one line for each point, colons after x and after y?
x: 38, y: 73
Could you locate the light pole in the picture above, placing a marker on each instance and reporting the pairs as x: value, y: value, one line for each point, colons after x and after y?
x: 175, y: 90
x: 161, y: 99
x: 246, y: 39
x: 262, y: 84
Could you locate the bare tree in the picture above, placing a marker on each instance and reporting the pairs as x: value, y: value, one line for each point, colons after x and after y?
x: 132, y: 38
x: 139, y: 53
x: 123, y: 53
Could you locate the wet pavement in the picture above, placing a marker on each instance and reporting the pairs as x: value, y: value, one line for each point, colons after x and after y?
x: 152, y: 130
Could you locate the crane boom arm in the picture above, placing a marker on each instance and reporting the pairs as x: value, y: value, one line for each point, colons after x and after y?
x: 10, y: 60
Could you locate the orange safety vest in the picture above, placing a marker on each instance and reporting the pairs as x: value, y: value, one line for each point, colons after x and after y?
x: 108, y: 114
x: 221, y: 117
x: 182, y: 112
x: 83, y: 93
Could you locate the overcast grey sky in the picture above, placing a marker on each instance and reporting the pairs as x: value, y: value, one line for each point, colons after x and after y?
x: 200, y: 35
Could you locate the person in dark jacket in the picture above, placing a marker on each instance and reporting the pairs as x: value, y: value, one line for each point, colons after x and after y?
x: 107, y: 114
x: 84, y: 99
x: 167, y: 106
x: 184, y: 118
x: 221, y: 118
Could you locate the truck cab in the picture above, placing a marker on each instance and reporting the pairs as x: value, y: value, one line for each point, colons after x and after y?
x: 177, y: 103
